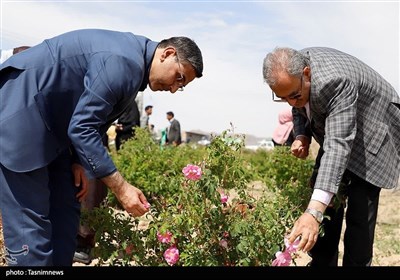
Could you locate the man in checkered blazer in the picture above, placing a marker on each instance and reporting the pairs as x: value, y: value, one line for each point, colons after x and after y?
x: 354, y: 115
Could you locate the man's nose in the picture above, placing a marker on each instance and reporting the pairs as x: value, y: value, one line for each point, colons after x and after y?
x: 174, y: 88
x: 291, y: 102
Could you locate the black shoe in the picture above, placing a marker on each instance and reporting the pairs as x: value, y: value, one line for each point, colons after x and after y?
x: 82, y: 255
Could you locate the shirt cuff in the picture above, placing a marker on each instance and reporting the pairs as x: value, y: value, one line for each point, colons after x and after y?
x: 322, y: 196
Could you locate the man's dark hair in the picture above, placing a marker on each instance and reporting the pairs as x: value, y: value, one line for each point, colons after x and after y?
x: 148, y: 107
x: 170, y: 113
x: 20, y: 49
x: 187, y: 50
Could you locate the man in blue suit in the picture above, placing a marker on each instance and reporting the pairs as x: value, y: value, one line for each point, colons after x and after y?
x: 60, y: 97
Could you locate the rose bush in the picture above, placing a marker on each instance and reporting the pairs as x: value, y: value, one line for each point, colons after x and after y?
x: 202, y: 211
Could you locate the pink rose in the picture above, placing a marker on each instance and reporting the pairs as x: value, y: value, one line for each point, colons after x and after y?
x: 192, y: 172
x: 224, y: 198
x: 171, y: 255
x: 147, y: 205
x: 291, y: 248
x: 164, y: 238
x: 223, y: 243
x: 282, y: 259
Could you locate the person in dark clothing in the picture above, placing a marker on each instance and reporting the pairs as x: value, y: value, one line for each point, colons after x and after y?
x: 125, y: 127
x: 173, y: 131
x: 97, y: 192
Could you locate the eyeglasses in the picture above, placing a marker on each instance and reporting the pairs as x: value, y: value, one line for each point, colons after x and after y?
x: 181, y: 78
x: 293, y: 96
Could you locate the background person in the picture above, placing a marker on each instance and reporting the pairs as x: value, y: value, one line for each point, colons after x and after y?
x: 354, y: 115
x: 283, y: 134
x: 125, y: 126
x: 63, y: 93
x: 174, y: 130
x: 144, y: 120
x: 97, y: 192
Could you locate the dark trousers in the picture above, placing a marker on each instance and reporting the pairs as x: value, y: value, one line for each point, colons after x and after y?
x: 361, y: 214
x: 40, y: 214
x: 96, y: 194
x: 122, y: 136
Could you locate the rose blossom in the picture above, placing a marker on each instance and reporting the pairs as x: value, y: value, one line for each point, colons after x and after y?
x: 291, y: 248
x: 224, y: 198
x: 192, y: 172
x: 285, y: 258
x: 164, y: 238
x: 171, y: 255
x: 147, y: 205
x: 282, y: 259
x: 223, y: 243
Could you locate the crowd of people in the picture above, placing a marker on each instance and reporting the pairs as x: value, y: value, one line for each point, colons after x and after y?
x: 336, y: 100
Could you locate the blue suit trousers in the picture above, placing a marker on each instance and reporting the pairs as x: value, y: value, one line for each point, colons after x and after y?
x: 40, y: 214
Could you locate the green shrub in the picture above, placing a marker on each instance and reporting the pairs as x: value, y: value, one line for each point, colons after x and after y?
x: 244, y: 231
x: 153, y: 169
x: 278, y: 169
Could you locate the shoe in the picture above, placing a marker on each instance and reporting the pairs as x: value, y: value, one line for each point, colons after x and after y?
x: 82, y: 255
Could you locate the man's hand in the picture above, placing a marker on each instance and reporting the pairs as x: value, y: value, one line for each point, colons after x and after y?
x: 307, y: 227
x: 80, y: 180
x: 300, y: 147
x: 130, y: 197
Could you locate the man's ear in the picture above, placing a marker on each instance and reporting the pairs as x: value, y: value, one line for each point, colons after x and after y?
x: 307, y: 72
x: 168, y: 51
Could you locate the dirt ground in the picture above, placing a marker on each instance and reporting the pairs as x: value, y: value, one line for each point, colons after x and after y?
x: 387, y: 235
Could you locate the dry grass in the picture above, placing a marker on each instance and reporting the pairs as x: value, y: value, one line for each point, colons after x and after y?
x: 387, y: 232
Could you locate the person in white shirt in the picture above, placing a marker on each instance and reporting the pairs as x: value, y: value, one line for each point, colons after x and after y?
x: 144, y: 120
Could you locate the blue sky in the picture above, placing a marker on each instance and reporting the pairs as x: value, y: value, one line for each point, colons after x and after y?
x: 234, y: 37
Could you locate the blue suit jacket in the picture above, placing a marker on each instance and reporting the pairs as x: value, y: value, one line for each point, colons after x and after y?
x: 68, y: 90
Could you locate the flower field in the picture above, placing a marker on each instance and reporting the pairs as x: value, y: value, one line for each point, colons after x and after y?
x: 211, y: 206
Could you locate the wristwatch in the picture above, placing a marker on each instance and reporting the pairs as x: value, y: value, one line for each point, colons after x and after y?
x: 316, y: 214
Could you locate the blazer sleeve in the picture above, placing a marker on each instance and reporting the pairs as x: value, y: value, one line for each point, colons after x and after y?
x: 109, y: 81
x: 340, y: 95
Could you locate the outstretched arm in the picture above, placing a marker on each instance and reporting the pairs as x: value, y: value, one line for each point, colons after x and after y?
x: 131, y: 198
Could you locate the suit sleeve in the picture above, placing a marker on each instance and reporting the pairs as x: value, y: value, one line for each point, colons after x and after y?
x: 340, y: 95
x: 109, y: 81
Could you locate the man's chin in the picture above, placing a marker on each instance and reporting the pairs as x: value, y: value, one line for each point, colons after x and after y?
x: 299, y: 105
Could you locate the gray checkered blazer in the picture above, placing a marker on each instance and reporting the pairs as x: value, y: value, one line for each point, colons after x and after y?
x: 355, y: 117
